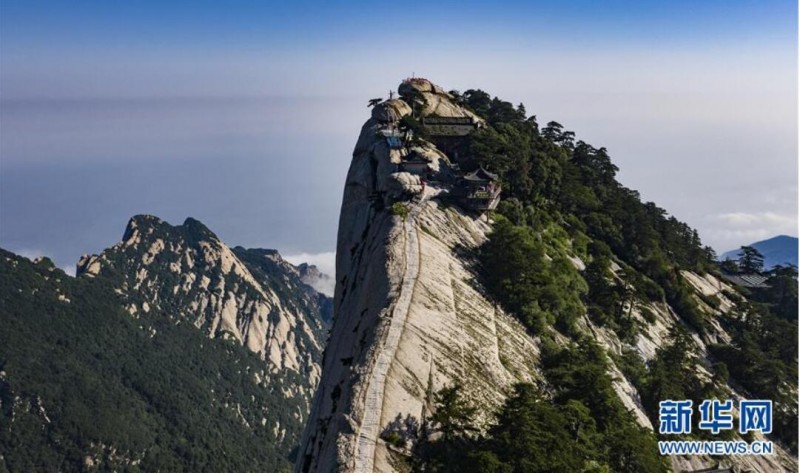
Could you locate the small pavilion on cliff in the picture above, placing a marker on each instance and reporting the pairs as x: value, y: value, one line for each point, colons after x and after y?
x: 478, y: 190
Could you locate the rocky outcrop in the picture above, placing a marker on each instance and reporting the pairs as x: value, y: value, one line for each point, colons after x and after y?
x: 410, y: 317
x: 250, y: 296
x: 434, y: 100
x: 390, y: 111
x: 410, y: 322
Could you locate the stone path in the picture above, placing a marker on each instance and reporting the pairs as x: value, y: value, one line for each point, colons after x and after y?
x: 370, y: 427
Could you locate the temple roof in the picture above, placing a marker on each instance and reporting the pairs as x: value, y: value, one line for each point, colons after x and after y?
x: 480, y: 174
x: 747, y: 280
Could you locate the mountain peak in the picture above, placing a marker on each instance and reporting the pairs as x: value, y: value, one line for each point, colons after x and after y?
x: 415, y: 315
x: 148, y: 227
x: 197, y: 229
x: 144, y: 375
x: 140, y: 221
x: 778, y: 250
x: 250, y: 296
x: 412, y: 85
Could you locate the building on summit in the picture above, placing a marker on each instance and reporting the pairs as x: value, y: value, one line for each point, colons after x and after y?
x: 478, y: 190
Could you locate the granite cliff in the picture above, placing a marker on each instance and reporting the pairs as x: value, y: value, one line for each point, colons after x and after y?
x: 412, y: 317
x: 169, y: 351
x: 251, y: 296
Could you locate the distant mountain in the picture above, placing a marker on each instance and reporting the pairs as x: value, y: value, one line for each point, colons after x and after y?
x: 169, y: 351
x: 781, y: 249
x: 252, y: 296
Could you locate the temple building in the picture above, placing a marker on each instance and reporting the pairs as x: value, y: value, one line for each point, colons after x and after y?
x: 415, y: 164
x: 478, y: 190
x: 449, y: 126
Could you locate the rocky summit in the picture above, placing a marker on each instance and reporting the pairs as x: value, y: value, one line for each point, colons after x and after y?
x: 414, y: 315
x: 251, y: 296
x: 169, y: 351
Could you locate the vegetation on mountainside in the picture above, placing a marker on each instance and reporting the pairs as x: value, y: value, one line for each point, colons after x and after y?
x: 541, y: 290
x: 400, y: 209
x: 86, y: 383
x: 780, y: 295
x: 561, y: 199
x: 551, y: 179
x: 576, y: 424
x: 673, y: 374
x: 762, y: 355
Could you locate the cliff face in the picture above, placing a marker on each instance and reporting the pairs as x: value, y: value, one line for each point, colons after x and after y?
x: 410, y: 317
x: 658, y: 321
x: 411, y: 324
x: 250, y: 296
x: 409, y: 321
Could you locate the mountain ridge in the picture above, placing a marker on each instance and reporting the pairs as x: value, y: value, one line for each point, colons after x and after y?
x: 162, y: 288
x: 424, y: 301
x: 778, y: 250
x: 84, y: 386
x: 209, y: 280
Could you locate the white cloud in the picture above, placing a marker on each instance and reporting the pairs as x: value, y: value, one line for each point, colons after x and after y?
x: 325, y: 262
x: 771, y: 219
x: 734, y: 229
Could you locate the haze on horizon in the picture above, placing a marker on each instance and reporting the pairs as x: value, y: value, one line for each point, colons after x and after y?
x: 244, y: 115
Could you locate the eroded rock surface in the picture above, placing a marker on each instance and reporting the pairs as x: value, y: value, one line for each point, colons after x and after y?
x: 410, y: 320
x: 250, y: 296
x: 410, y: 317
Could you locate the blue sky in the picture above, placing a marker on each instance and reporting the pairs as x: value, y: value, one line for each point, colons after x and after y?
x: 244, y: 113
x: 116, y: 48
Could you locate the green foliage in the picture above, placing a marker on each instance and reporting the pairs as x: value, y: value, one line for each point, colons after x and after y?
x: 580, y: 373
x: 632, y: 366
x: 750, y: 260
x: 89, y: 379
x: 780, y: 295
x: 672, y: 374
x: 729, y: 266
x: 453, y: 416
x: 611, y: 298
x: 552, y: 171
x: 763, y: 359
x: 503, y: 149
x: 541, y: 291
x: 400, y: 209
x: 711, y: 300
x: 533, y: 434
x: 452, y: 423
x: 584, y: 427
x: 680, y: 296
x: 552, y: 180
x: 416, y: 100
x: 395, y: 439
x: 513, y: 210
x: 408, y: 122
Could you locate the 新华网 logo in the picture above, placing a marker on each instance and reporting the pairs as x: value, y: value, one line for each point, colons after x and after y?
x: 675, y: 418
